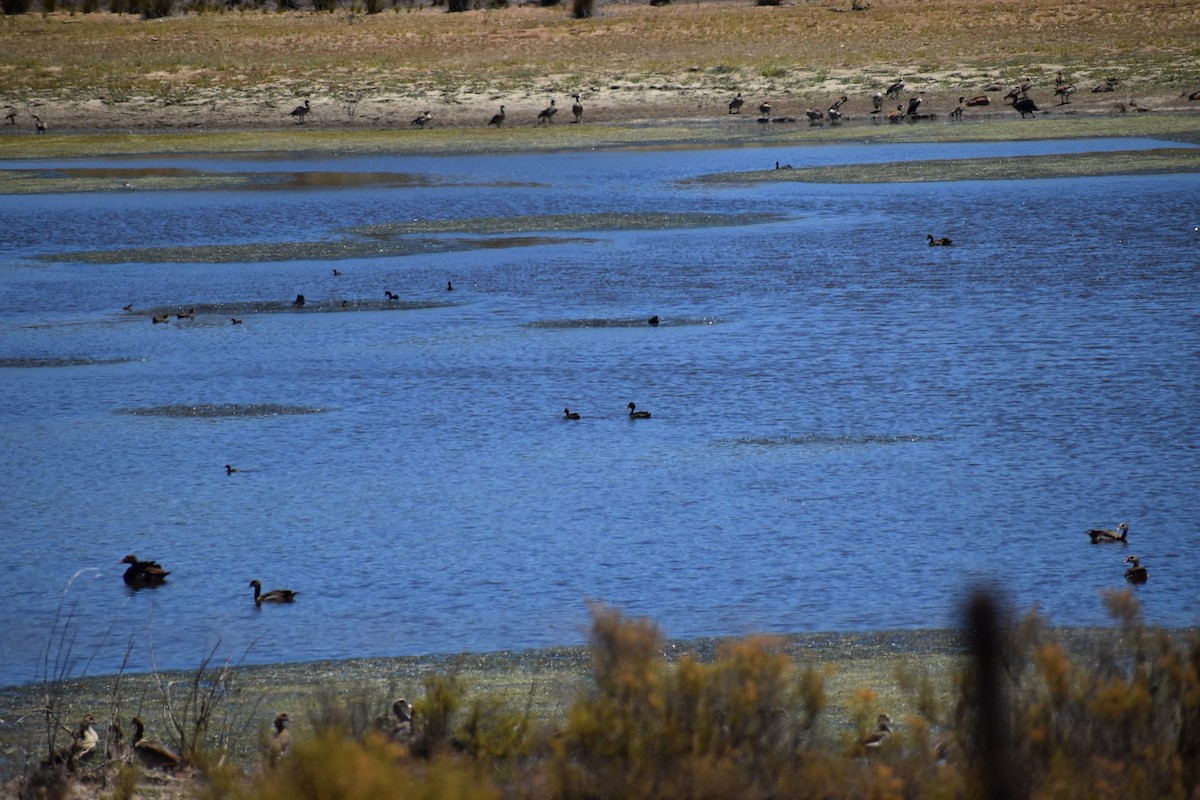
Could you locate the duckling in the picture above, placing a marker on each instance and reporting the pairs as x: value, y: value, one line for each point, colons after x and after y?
x: 635, y: 414
x: 143, y: 573
x: 1102, y: 536
x: 273, y: 596
x: 939, y: 242
x: 577, y: 110
x: 1136, y: 573
x: 569, y: 414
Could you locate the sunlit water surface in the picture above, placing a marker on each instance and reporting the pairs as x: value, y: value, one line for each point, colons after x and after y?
x: 850, y: 429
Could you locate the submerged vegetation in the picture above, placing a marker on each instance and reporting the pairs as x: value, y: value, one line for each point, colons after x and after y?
x: 1022, y: 710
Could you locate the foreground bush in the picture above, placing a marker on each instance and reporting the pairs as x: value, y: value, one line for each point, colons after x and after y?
x: 1026, y: 715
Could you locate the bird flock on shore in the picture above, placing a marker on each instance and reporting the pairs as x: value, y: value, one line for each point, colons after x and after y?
x: 1017, y: 97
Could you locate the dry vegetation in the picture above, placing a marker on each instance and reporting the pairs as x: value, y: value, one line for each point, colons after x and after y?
x: 215, y: 68
x: 1023, y: 711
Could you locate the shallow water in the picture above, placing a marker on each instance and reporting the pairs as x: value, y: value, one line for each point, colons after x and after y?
x: 850, y: 430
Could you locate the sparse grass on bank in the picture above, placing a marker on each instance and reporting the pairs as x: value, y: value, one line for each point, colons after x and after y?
x: 1103, y: 713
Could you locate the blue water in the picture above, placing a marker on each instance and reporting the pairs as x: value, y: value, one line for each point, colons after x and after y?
x: 850, y: 430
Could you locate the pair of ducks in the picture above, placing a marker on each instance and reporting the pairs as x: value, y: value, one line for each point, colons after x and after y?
x: 1135, y: 573
x: 85, y: 744
x: 633, y: 413
x: 141, y: 574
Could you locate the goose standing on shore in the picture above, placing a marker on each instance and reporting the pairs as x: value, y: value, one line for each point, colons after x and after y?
x: 273, y: 596
x: 422, y: 119
x: 143, y: 573
x: 764, y: 109
x: 403, y: 729
x: 1025, y: 105
x: 281, y: 741
x: 1103, y: 536
x: 497, y: 119
x: 10, y: 116
x: 547, y: 113
x: 735, y: 105
x: 895, y: 89
x: 300, y: 112
x: 1065, y: 92
x: 577, y: 110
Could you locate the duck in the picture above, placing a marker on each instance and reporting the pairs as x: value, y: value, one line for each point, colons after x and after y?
x: 877, y: 102
x: 497, y: 119
x: 547, y: 113
x: 159, y: 319
x: 337, y: 273
x: 422, y: 119
x: 577, y: 110
x: 273, y: 596
x: 978, y: 100
x: 390, y: 295
x: 1102, y: 536
x: 1064, y: 92
x: 897, y: 115
x: 764, y: 109
x: 1194, y: 96
x: 1136, y: 573
x: 895, y: 89
x: 299, y: 301
x: 82, y: 747
x: 143, y: 573
x: 230, y: 469
x: 449, y: 286
x: 654, y: 321
x: 116, y: 751
x: 300, y: 112
x: 957, y: 112
x: 235, y: 321
x: 10, y: 116
x: 281, y: 741
x: 875, y: 739
x: 403, y: 729
x: 735, y: 105
x: 569, y: 414
x: 189, y: 314
x: 635, y: 414
x: 939, y: 242
x: 815, y: 117
x: 128, y: 307
x: 39, y: 126
x: 1026, y: 106
x: 783, y: 166
x: 151, y: 754
x: 914, y: 103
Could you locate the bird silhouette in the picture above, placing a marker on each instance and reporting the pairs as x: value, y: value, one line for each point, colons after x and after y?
x: 635, y: 414
x: 577, y: 110
x: 735, y: 105
x: 938, y: 242
x: 273, y: 596
x: 300, y: 112
x: 497, y: 119
x: 547, y: 113
x: 569, y: 414
x: 143, y: 573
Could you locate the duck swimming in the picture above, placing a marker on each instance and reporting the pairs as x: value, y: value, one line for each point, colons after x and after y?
x: 1136, y: 573
x: 143, y: 573
x: 273, y: 596
x: 569, y: 414
x: 635, y: 414
x: 1101, y: 536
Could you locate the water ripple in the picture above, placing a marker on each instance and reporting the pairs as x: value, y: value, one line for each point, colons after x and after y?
x: 63, y: 361
x: 620, y: 322
x: 205, y: 410
x: 826, y: 440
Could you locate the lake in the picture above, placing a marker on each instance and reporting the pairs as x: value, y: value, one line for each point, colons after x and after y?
x: 850, y: 430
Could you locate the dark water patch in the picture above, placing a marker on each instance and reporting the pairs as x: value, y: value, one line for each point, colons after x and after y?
x: 826, y: 440
x: 239, y: 308
x: 263, y: 252
x: 65, y: 361
x: 95, y: 179
x: 209, y: 410
x: 621, y: 322
x: 1165, y: 160
x: 609, y: 221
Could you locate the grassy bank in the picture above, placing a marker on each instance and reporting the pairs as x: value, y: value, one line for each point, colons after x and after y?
x: 1111, y: 712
